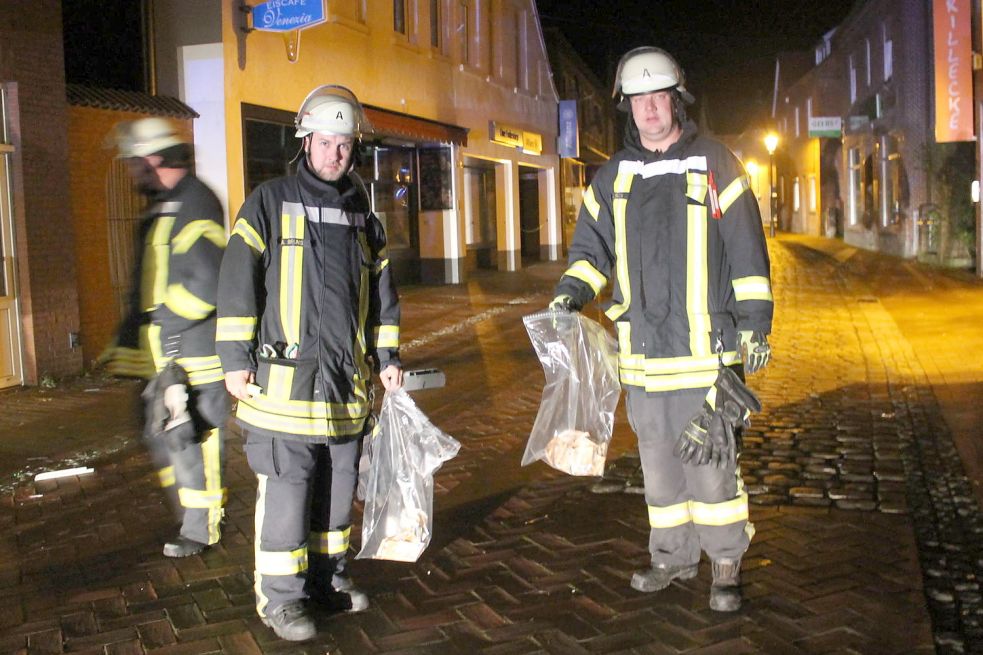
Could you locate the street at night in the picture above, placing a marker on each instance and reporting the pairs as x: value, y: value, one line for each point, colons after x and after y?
x: 867, y: 533
x: 687, y: 297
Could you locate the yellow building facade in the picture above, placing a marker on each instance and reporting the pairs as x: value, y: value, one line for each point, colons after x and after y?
x: 462, y: 164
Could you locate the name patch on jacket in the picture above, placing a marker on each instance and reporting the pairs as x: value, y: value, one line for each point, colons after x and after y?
x: 291, y: 241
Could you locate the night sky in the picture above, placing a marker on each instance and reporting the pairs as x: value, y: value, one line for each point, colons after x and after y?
x: 103, y: 43
x: 726, y: 47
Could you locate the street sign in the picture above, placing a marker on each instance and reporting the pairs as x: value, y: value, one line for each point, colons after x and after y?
x: 825, y: 126
x: 288, y: 15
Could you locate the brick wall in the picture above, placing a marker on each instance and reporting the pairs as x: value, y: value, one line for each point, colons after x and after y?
x: 31, y: 68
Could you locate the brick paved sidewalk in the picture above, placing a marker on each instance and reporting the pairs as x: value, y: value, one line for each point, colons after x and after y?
x: 856, y: 489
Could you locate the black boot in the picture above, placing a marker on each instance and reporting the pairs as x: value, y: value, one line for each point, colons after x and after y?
x: 340, y: 595
x: 657, y: 578
x: 183, y: 547
x: 725, y: 592
x: 291, y: 622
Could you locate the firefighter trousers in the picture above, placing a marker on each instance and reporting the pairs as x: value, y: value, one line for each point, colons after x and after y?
x: 691, y: 508
x: 193, y: 477
x: 304, y: 501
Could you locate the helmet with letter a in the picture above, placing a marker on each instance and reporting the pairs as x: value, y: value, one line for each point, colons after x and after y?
x: 648, y: 69
x: 331, y: 109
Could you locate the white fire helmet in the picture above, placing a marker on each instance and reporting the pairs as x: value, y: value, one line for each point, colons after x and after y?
x: 331, y: 109
x: 647, y: 69
x: 146, y: 136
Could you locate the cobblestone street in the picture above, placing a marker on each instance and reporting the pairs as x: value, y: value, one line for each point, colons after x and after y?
x: 869, y: 537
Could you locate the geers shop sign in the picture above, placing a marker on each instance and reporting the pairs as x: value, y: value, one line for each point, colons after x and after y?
x: 953, y: 71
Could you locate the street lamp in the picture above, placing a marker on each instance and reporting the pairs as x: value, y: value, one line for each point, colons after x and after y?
x: 771, y: 142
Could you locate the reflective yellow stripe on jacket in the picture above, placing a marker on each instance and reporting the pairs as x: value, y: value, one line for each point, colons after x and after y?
x: 202, y: 370
x: 235, y: 328
x: 619, y: 203
x: 157, y: 250
x: 656, y: 374
x: 753, y: 287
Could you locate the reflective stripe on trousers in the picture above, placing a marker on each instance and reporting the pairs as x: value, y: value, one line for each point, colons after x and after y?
x: 192, y: 478
x: 289, y: 549
x: 691, y: 508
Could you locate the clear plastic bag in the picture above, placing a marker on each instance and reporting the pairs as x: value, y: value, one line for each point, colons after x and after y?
x: 406, y: 452
x: 576, y: 414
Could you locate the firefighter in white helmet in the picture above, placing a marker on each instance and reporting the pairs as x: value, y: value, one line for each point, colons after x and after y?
x: 671, y: 224
x: 307, y: 312
x: 168, y: 334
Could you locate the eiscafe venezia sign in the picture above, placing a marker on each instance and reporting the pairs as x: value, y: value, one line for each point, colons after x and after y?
x: 530, y: 143
x: 287, y: 15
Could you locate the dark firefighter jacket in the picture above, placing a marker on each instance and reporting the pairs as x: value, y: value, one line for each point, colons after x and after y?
x: 306, y: 296
x: 678, y: 235
x: 172, y: 302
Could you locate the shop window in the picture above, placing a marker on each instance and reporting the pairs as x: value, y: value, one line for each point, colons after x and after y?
x: 796, y: 195
x: 811, y: 197
x: 399, y: 16
x: 854, y: 181
x: 269, y: 144
x: 390, y: 174
x: 436, y: 187
x: 869, y: 193
x: 894, y: 185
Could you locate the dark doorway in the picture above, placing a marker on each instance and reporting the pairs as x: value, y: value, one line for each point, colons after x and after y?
x: 529, y: 213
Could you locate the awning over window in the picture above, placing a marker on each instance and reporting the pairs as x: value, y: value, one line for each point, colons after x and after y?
x: 410, y: 127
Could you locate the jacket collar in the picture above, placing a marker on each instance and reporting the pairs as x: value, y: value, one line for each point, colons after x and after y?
x: 633, y: 142
x: 321, y: 191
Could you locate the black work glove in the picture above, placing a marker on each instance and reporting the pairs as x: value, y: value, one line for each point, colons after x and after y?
x: 692, y: 445
x: 170, y: 417
x: 564, y: 303
x: 563, y: 307
x: 710, y: 437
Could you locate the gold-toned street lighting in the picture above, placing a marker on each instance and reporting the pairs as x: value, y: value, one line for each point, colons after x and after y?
x: 771, y: 143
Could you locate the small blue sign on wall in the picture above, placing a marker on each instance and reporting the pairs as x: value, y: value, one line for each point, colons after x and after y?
x: 569, y: 139
x: 288, y: 15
